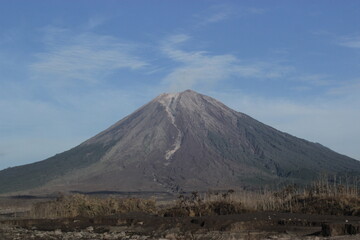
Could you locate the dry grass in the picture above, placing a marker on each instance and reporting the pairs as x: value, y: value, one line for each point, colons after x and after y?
x: 86, y: 206
x: 17, y: 206
x: 326, y: 196
x: 195, y: 205
x: 323, y: 197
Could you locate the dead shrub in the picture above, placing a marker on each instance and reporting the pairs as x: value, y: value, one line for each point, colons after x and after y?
x: 86, y: 206
x: 194, y: 205
x: 333, y: 205
x: 325, y: 196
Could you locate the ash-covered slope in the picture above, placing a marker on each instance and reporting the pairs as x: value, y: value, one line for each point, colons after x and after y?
x: 180, y: 141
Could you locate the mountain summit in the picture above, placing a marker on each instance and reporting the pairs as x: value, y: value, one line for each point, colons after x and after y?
x: 180, y: 141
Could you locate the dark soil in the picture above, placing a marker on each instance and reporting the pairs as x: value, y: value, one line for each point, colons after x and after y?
x: 260, y: 225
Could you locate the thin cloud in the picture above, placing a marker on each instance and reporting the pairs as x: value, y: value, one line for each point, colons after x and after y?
x: 96, y: 21
x: 255, y: 10
x: 217, y: 17
x: 200, y: 67
x: 214, y: 14
x: 347, y: 89
x: 86, y: 57
x: 315, y: 79
x: 218, y: 13
x: 350, y: 42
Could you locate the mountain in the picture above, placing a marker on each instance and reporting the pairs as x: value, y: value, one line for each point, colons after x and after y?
x: 180, y: 141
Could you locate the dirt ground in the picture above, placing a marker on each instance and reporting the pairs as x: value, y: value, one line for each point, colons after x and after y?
x: 263, y: 225
x: 15, y: 225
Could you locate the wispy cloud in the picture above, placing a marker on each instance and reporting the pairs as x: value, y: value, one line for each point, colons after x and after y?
x: 213, y: 14
x: 315, y: 79
x: 96, y: 21
x: 201, y: 67
x: 218, y: 13
x: 351, y: 42
x: 347, y: 89
x: 86, y: 57
x: 41, y: 107
x: 217, y: 17
x: 254, y: 10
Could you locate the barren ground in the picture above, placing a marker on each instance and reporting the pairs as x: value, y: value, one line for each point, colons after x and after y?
x: 265, y: 225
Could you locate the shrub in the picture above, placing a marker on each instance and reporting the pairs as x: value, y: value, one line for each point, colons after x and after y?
x: 85, y: 206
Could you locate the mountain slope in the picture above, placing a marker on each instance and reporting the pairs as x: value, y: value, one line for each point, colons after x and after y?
x: 180, y: 141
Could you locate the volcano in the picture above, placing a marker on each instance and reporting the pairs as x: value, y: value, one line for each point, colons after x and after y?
x: 180, y: 142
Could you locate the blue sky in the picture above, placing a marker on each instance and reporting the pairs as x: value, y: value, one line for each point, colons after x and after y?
x: 69, y: 69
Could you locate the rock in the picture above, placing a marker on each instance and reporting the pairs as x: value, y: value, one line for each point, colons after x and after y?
x: 40, y: 234
x: 171, y: 236
x: 90, y: 229
x: 78, y: 234
x: 335, y: 229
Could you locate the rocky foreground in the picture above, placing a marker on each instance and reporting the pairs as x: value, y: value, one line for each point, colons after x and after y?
x: 139, y: 226
x: 9, y: 233
x: 15, y: 233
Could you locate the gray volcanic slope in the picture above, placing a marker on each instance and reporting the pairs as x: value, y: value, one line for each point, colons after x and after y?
x: 180, y: 141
